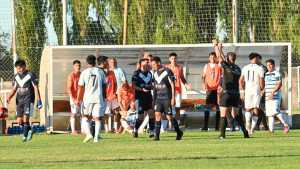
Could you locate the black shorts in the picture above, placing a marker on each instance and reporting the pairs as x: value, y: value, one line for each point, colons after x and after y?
x: 230, y: 100
x: 163, y: 106
x: 25, y: 109
x: 144, y: 104
x: 212, y: 97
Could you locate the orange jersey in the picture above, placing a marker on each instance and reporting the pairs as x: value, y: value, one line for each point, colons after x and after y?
x: 73, y: 84
x: 178, y: 73
x: 111, y: 85
x: 212, y: 74
x: 126, y: 96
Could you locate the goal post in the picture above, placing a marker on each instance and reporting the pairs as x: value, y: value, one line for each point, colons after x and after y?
x: 56, y: 64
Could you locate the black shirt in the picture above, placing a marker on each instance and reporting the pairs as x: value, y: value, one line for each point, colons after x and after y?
x: 230, y: 77
x: 24, y: 83
x: 142, y: 80
x: 162, y: 86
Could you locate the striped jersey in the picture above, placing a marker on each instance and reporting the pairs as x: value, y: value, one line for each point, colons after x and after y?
x: 271, y: 78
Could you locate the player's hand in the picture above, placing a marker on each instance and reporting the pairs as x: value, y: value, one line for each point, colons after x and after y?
x: 173, y: 102
x: 189, y: 86
x: 242, y: 97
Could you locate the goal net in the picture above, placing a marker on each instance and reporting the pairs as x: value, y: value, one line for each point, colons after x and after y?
x: 56, y: 64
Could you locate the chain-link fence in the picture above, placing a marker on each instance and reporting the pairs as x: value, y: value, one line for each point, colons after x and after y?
x: 39, y: 23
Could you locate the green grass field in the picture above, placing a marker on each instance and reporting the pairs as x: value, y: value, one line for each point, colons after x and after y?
x: 196, y: 150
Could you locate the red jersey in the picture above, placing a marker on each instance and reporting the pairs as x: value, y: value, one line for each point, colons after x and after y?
x: 111, y: 86
x: 212, y: 74
x: 178, y: 73
x: 73, y: 84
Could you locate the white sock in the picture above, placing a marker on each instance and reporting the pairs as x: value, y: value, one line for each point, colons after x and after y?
x: 106, y: 127
x: 109, y: 123
x: 86, y: 125
x: 97, y: 129
x: 248, y: 120
x: 72, y: 123
x: 82, y: 126
x: 115, y: 125
x: 280, y: 117
x: 170, y: 124
x: 254, y: 122
x: 271, y: 123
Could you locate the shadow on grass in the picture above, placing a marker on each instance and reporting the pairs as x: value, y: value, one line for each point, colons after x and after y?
x: 155, y: 159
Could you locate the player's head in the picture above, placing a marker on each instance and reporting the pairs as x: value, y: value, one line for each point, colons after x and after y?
x: 144, y: 63
x: 255, y: 58
x: 212, y: 57
x: 20, y: 66
x: 156, y: 63
x: 76, y: 66
x: 231, y: 57
x: 102, y: 61
x: 173, y: 58
x: 270, y: 65
x: 91, y: 60
x: 112, y: 63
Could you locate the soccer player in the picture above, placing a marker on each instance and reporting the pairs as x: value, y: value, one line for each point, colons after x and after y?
x: 229, y: 95
x: 111, y: 98
x: 119, y: 73
x: 72, y: 87
x: 262, y: 115
x: 252, y: 84
x: 179, y: 78
x: 25, y: 84
x: 142, y: 83
x: 273, y: 96
x: 164, y: 96
x: 90, y: 93
x: 211, y: 82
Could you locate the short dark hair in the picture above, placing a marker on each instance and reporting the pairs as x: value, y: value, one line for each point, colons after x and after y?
x: 156, y: 59
x: 101, y: 59
x: 76, y: 62
x: 91, y: 60
x: 212, y: 53
x: 173, y: 54
x: 142, y: 60
x: 20, y: 63
x: 230, y: 54
x: 270, y: 61
x: 254, y: 55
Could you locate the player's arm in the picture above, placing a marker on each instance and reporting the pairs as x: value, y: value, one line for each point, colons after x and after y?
x: 204, y: 83
x: 171, y: 81
x: 11, y: 94
x: 261, y: 80
x: 69, y: 88
x: 184, y: 81
x: 80, y: 90
x: 242, y: 85
x: 120, y: 100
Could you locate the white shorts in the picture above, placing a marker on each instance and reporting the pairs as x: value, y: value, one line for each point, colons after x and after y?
x: 272, y: 107
x: 252, y: 100
x: 74, y: 108
x: 177, y: 100
x: 111, y: 105
x: 92, y: 109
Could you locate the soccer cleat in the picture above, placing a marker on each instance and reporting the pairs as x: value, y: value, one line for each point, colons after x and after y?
x: 286, y: 129
x: 151, y: 134
x: 87, y: 138
x: 156, y: 138
x: 204, y: 129
x: 179, y: 135
x: 24, y: 139
x: 29, y: 135
x: 135, y: 134
x: 221, y: 137
x: 246, y: 135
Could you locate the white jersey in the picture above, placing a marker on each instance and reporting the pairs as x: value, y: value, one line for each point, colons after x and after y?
x: 92, y: 79
x: 252, y: 74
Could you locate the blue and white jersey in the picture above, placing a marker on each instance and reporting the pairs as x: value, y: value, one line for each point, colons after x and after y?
x: 271, y: 78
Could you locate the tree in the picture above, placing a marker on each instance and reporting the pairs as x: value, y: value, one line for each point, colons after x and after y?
x: 30, y: 31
